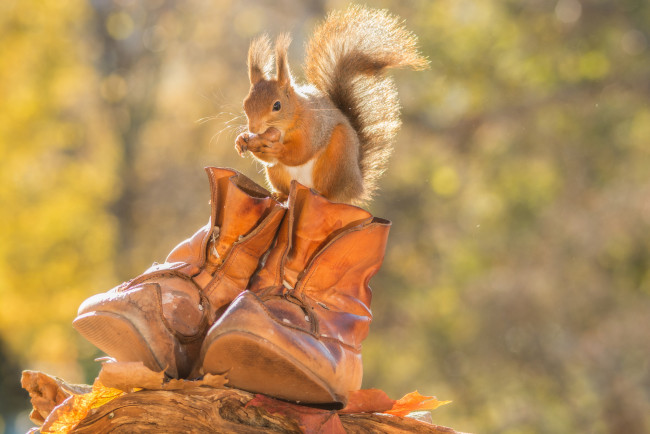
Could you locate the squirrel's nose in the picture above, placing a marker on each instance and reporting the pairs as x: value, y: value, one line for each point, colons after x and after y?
x: 257, y: 128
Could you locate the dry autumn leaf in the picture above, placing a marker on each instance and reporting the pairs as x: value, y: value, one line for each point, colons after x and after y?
x: 45, y: 391
x: 127, y: 376
x: 311, y: 420
x: 75, y: 408
x: 130, y: 376
x: 215, y: 381
x: 414, y: 402
x: 368, y: 401
x: 115, y: 379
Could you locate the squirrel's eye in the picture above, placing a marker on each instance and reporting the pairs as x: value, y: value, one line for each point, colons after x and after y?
x: 277, y: 106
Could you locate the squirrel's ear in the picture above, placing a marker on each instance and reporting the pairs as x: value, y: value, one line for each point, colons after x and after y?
x: 260, y: 59
x: 281, y: 62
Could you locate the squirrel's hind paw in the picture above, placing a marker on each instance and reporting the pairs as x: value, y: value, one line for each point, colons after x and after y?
x: 279, y: 196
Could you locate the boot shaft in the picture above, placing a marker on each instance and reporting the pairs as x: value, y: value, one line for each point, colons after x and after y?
x: 322, y: 262
x: 238, y: 206
x: 222, y: 255
x: 311, y: 223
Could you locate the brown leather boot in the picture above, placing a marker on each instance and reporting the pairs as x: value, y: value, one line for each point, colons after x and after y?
x: 161, y: 317
x: 297, y: 333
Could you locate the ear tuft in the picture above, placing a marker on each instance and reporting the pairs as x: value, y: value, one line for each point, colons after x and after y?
x: 260, y: 59
x: 281, y: 61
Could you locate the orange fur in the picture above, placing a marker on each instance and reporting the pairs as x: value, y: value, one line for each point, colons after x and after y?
x: 342, y: 125
x: 294, y: 140
x: 336, y: 175
x: 279, y: 179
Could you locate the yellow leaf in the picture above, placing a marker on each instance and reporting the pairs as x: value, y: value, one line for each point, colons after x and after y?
x: 75, y: 408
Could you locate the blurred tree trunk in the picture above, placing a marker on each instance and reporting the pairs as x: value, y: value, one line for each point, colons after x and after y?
x: 131, y: 77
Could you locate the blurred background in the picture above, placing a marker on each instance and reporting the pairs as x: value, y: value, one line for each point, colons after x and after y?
x: 517, y: 276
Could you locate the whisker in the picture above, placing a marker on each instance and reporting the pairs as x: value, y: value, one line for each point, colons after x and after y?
x: 217, y: 135
x: 206, y: 119
x: 235, y: 117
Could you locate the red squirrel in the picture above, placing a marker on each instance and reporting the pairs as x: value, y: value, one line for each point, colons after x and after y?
x: 334, y: 134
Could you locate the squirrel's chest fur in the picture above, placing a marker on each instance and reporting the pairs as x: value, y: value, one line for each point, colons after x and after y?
x: 322, y: 118
x: 303, y: 174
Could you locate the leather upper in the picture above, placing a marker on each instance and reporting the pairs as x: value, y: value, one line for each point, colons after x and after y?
x: 307, y: 309
x: 222, y: 255
x: 171, y: 305
x: 323, y: 259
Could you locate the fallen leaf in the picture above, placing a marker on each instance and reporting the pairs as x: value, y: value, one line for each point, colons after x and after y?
x: 46, y: 392
x: 75, y: 408
x: 132, y: 376
x: 215, y: 381
x: 127, y: 376
x: 61, y: 406
x: 310, y: 420
x: 414, y: 402
x: 368, y: 401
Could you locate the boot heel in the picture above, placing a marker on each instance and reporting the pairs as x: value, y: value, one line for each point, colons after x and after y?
x: 258, y: 366
x: 117, y: 336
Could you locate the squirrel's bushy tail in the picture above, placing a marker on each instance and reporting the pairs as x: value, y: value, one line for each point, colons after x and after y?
x: 346, y: 59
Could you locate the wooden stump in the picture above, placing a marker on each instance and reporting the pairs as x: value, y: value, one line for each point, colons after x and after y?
x: 201, y: 409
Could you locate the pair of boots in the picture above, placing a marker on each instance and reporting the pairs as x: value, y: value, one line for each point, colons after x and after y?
x: 276, y: 297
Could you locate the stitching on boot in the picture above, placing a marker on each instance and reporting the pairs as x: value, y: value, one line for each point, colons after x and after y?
x: 240, y: 246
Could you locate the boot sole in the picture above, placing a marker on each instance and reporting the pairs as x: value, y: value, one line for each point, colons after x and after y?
x: 256, y: 365
x: 117, y: 337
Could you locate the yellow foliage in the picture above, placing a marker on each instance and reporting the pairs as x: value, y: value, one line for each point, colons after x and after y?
x: 56, y: 180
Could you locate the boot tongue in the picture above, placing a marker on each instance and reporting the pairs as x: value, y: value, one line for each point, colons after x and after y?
x: 316, y: 222
x: 238, y: 207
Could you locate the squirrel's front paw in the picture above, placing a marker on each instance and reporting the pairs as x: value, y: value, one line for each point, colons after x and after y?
x: 266, y: 148
x: 267, y: 144
x: 241, y: 143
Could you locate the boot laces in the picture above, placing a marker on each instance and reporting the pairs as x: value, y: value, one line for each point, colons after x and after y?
x: 213, y: 239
